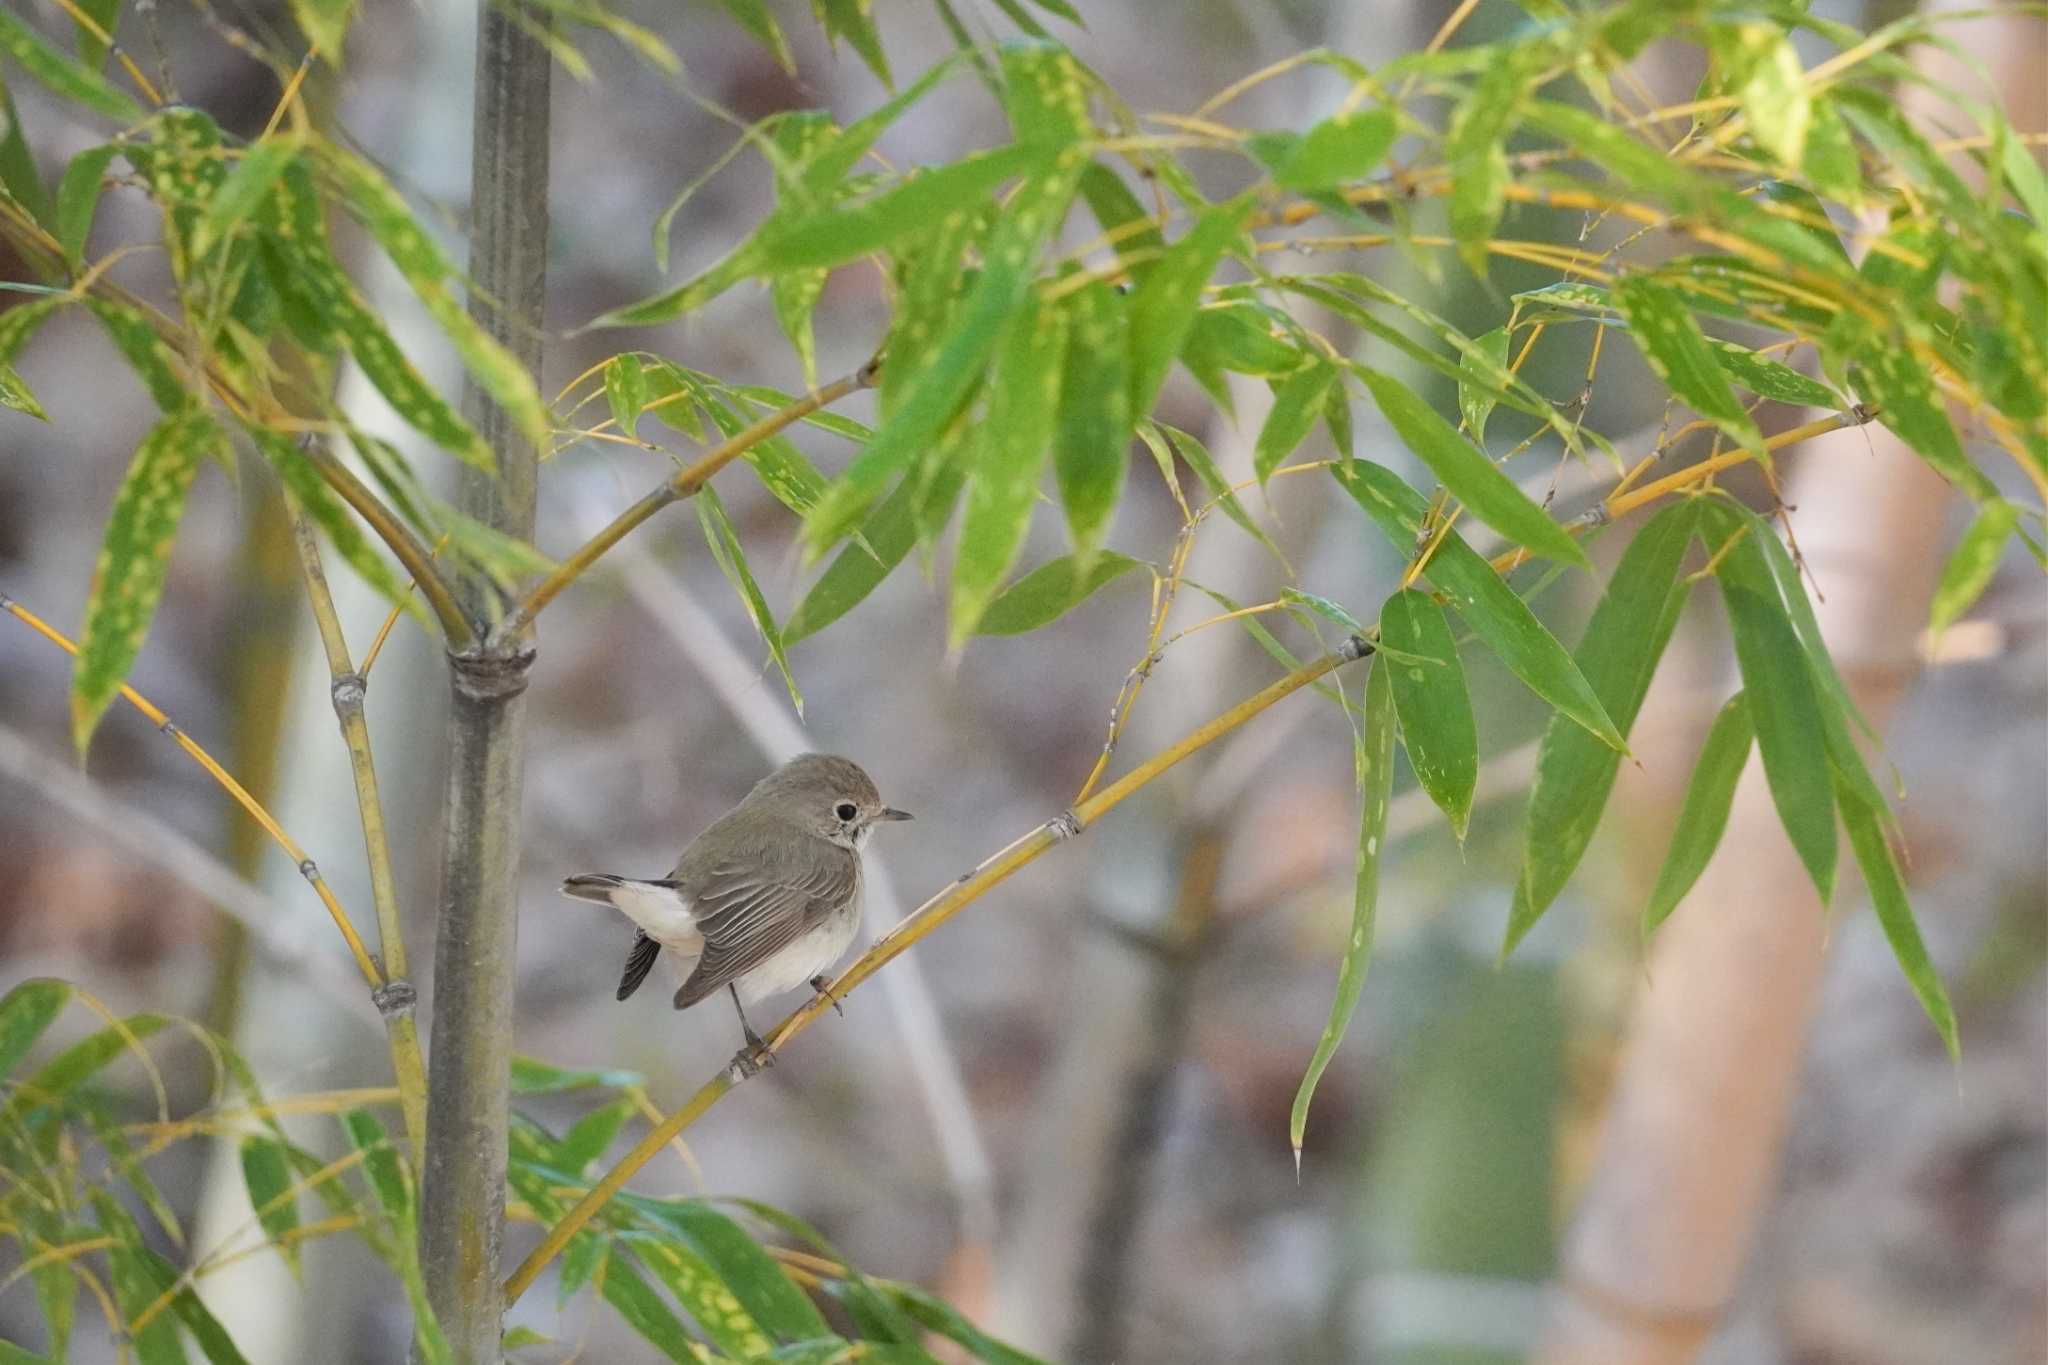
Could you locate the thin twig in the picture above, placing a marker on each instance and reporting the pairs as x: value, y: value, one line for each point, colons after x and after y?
x: 395, y: 999
x: 683, y: 484
x: 915, y: 926
x: 402, y: 542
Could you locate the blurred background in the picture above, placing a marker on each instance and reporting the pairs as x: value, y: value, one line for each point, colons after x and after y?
x: 1068, y: 1111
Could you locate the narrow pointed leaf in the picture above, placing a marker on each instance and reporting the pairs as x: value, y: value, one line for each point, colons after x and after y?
x: 253, y: 178
x: 647, y: 1313
x: 732, y: 561
x: 1887, y: 889
x: 1297, y: 403
x: 1618, y: 656
x: 1475, y: 394
x: 71, y: 81
x: 1008, y: 454
x: 755, y: 18
x: 332, y: 516
x: 1163, y: 305
x: 1343, y: 148
x: 1420, y: 659
x: 1219, y: 488
x: 78, y: 197
x: 1475, y: 480
x: 1764, y: 72
x: 1703, y: 817
x: 1970, y: 568
x: 267, y: 1173
x: 1889, y: 377
x: 1680, y: 355
x: 19, y: 176
x: 135, y: 555
x: 1767, y: 378
x: 1501, y: 620
x: 885, y: 538
x: 1092, y: 441
x: 1050, y: 591
x: 25, y: 1013
x: 753, y: 1277
x: 1374, y: 758
x: 1134, y: 233
x: 1785, y: 707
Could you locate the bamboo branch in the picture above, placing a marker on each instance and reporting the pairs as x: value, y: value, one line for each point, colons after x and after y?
x: 914, y: 927
x: 415, y: 557
x: 396, y: 998
x: 683, y: 484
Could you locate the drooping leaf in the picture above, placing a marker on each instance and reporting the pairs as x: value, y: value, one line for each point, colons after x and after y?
x: 135, y: 554
x: 1758, y: 64
x: 1297, y: 402
x: 939, y: 1316
x: 1618, y: 656
x: 1476, y: 398
x: 1162, y: 307
x: 1134, y: 234
x: 1887, y: 889
x: 759, y: 22
x: 647, y: 1313
x: 1421, y: 661
x: 1211, y: 474
x: 1475, y: 480
x: 1341, y: 148
x: 1374, y: 760
x: 25, y: 1013
x: 325, y: 23
x: 1050, y: 591
x: 245, y: 187
x: 70, y: 80
x: 848, y: 19
x: 267, y: 1174
x: 1679, y: 354
x: 1703, y: 817
x: 1473, y: 146
x: 885, y: 538
x: 1501, y: 620
x: 752, y: 1276
x: 625, y: 391
x: 1889, y: 377
x: 1973, y: 563
x: 19, y: 177
x: 731, y: 557
x: 1092, y: 438
x: 1768, y: 378
x: 78, y: 196
x: 1009, y: 452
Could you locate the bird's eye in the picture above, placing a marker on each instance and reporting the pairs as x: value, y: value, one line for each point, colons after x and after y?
x: 845, y: 810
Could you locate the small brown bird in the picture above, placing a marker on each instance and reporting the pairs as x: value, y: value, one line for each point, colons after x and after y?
x: 765, y: 899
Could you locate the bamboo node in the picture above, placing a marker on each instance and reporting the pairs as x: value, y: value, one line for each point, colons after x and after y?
x: 490, y: 674
x: 348, y: 690
x: 309, y: 869
x: 1354, y: 647
x: 1063, y: 826
x: 395, y: 999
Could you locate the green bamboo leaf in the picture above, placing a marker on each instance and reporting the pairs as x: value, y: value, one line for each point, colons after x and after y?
x: 647, y: 1313
x: 245, y: 188
x: 1703, y: 817
x: 1340, y: 149
x: 1297, y: 403
x: 767, y: 1294
x: 584, y: 1259
x: 1431, y: 701
x: 1008, y: 455
x: 1050, y: 591
x: 10, y: 1354
x: 936, y: 1315
x: 145, y: 351
x: 16, y: 395
x: 134, y: 555
x: 848, y: 19
x: 1474, y: 150
x: 697, y: 1287
x: 267, y: 1173
x: 782, y: 469
x: 18, y: 174
x: 625, y: 390
x: 754, y: 17
x: 1785, y: 706
x: 71, y: 81
x: 1887, y: 889
x: 419, y: 258
x: 1092, y: 437
x: 885, y: 538
x: 591, y: 1136
x: 1476, y: 395
x: 1162, y: 307
x: 1475, y: 480
x: 382, y: 1168
x: 19, y: 323
x: 1969, y: 569
x: 325, y: 24
x: 1832, y: 162
x: 1241, y: 337
x: 1566, y: 301
x: 25, y: 1013
x: 136, y: 1287
x: 1219, y: 488
x: 732, y: 561
x: 1133, y: 232
x: 78, y: 197
x: 332, y: 516
x: 1332, y: 612
x: 1759, y: 66
x: 935, y: 275
x: 1045, y: 94
x: 53, y: 1083
x: 1501, y: 620
x: 1768, y: 379
x: 1374, y: 758
x: 942, y: 387
x: 1902, y: 389
x: 1618, y: 656
x: 1678, y: 352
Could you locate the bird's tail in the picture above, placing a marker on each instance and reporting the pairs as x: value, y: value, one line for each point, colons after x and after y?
x: 596, y: 887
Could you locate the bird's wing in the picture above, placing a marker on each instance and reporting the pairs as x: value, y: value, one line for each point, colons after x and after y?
x: 747, y: 916
x: 639, y: 962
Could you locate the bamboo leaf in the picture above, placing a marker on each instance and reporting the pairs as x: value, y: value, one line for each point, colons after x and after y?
x: 1091, y: 439
x: 1132, y: 230
x: 153, y: 361
x: 1297, y: 403
x: 53, y: 1083
x: 267, y: 1173
x: 1888, y: 376
x: 1473, y: 146
x: 78, y: 197
x: 1618, y: 656
x: 885, y: 538
x: 25, y: 1013
x: 71, y: 81
x: 1887, y: 889
x: 625, y: 391
x: 384, y: 1171
x: 698, y: 1288
x: 1431, y: 701
x: 332, y: 516
x: 847, y: 19
x: 1050, y: 591
x: 325, y: 24
x: 1332, y: 612
x: 753, y: 1277
x: 1703, y: 817
x: 1374, y: 760
x: 1759, y: 65
x: 591, y: 1136
x: 1339, y: 149
x: 1477, y: 481
x: 754, y: 17
x: 1476, y: 395
x: 732, y: 561
x: 1009, y: 452
x: 16, y: 395
x: 1768, y: 379
x: 1162, y: 307
x: 245, y: 188
x: 1045, y: 94
x: 135, y: 554
x: 1678, y: 352
x: 1501, y: 620
x: 939, y: 1316
x: 18, y: 174
x: 1970, y: 568
x: 1786, y: 709
x: 1219, y: 488
x: 646, y: 1313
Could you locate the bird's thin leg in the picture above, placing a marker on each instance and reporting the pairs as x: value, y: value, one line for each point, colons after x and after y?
x: 755, y: 1047
x: 822, y: 984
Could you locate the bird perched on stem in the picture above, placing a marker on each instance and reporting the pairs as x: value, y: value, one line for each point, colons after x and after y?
x: 765, y: 899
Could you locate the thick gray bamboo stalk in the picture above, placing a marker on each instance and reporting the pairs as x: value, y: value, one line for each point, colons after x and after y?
x: 463, y: 1202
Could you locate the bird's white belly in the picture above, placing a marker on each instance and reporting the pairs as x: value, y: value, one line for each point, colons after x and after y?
x: 806, y: 957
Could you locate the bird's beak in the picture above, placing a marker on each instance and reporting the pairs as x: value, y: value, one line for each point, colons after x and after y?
x: 891, y: 813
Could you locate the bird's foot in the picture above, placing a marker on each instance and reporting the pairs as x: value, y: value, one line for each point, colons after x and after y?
x: 751, y: 1060
x: 822, y: 984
